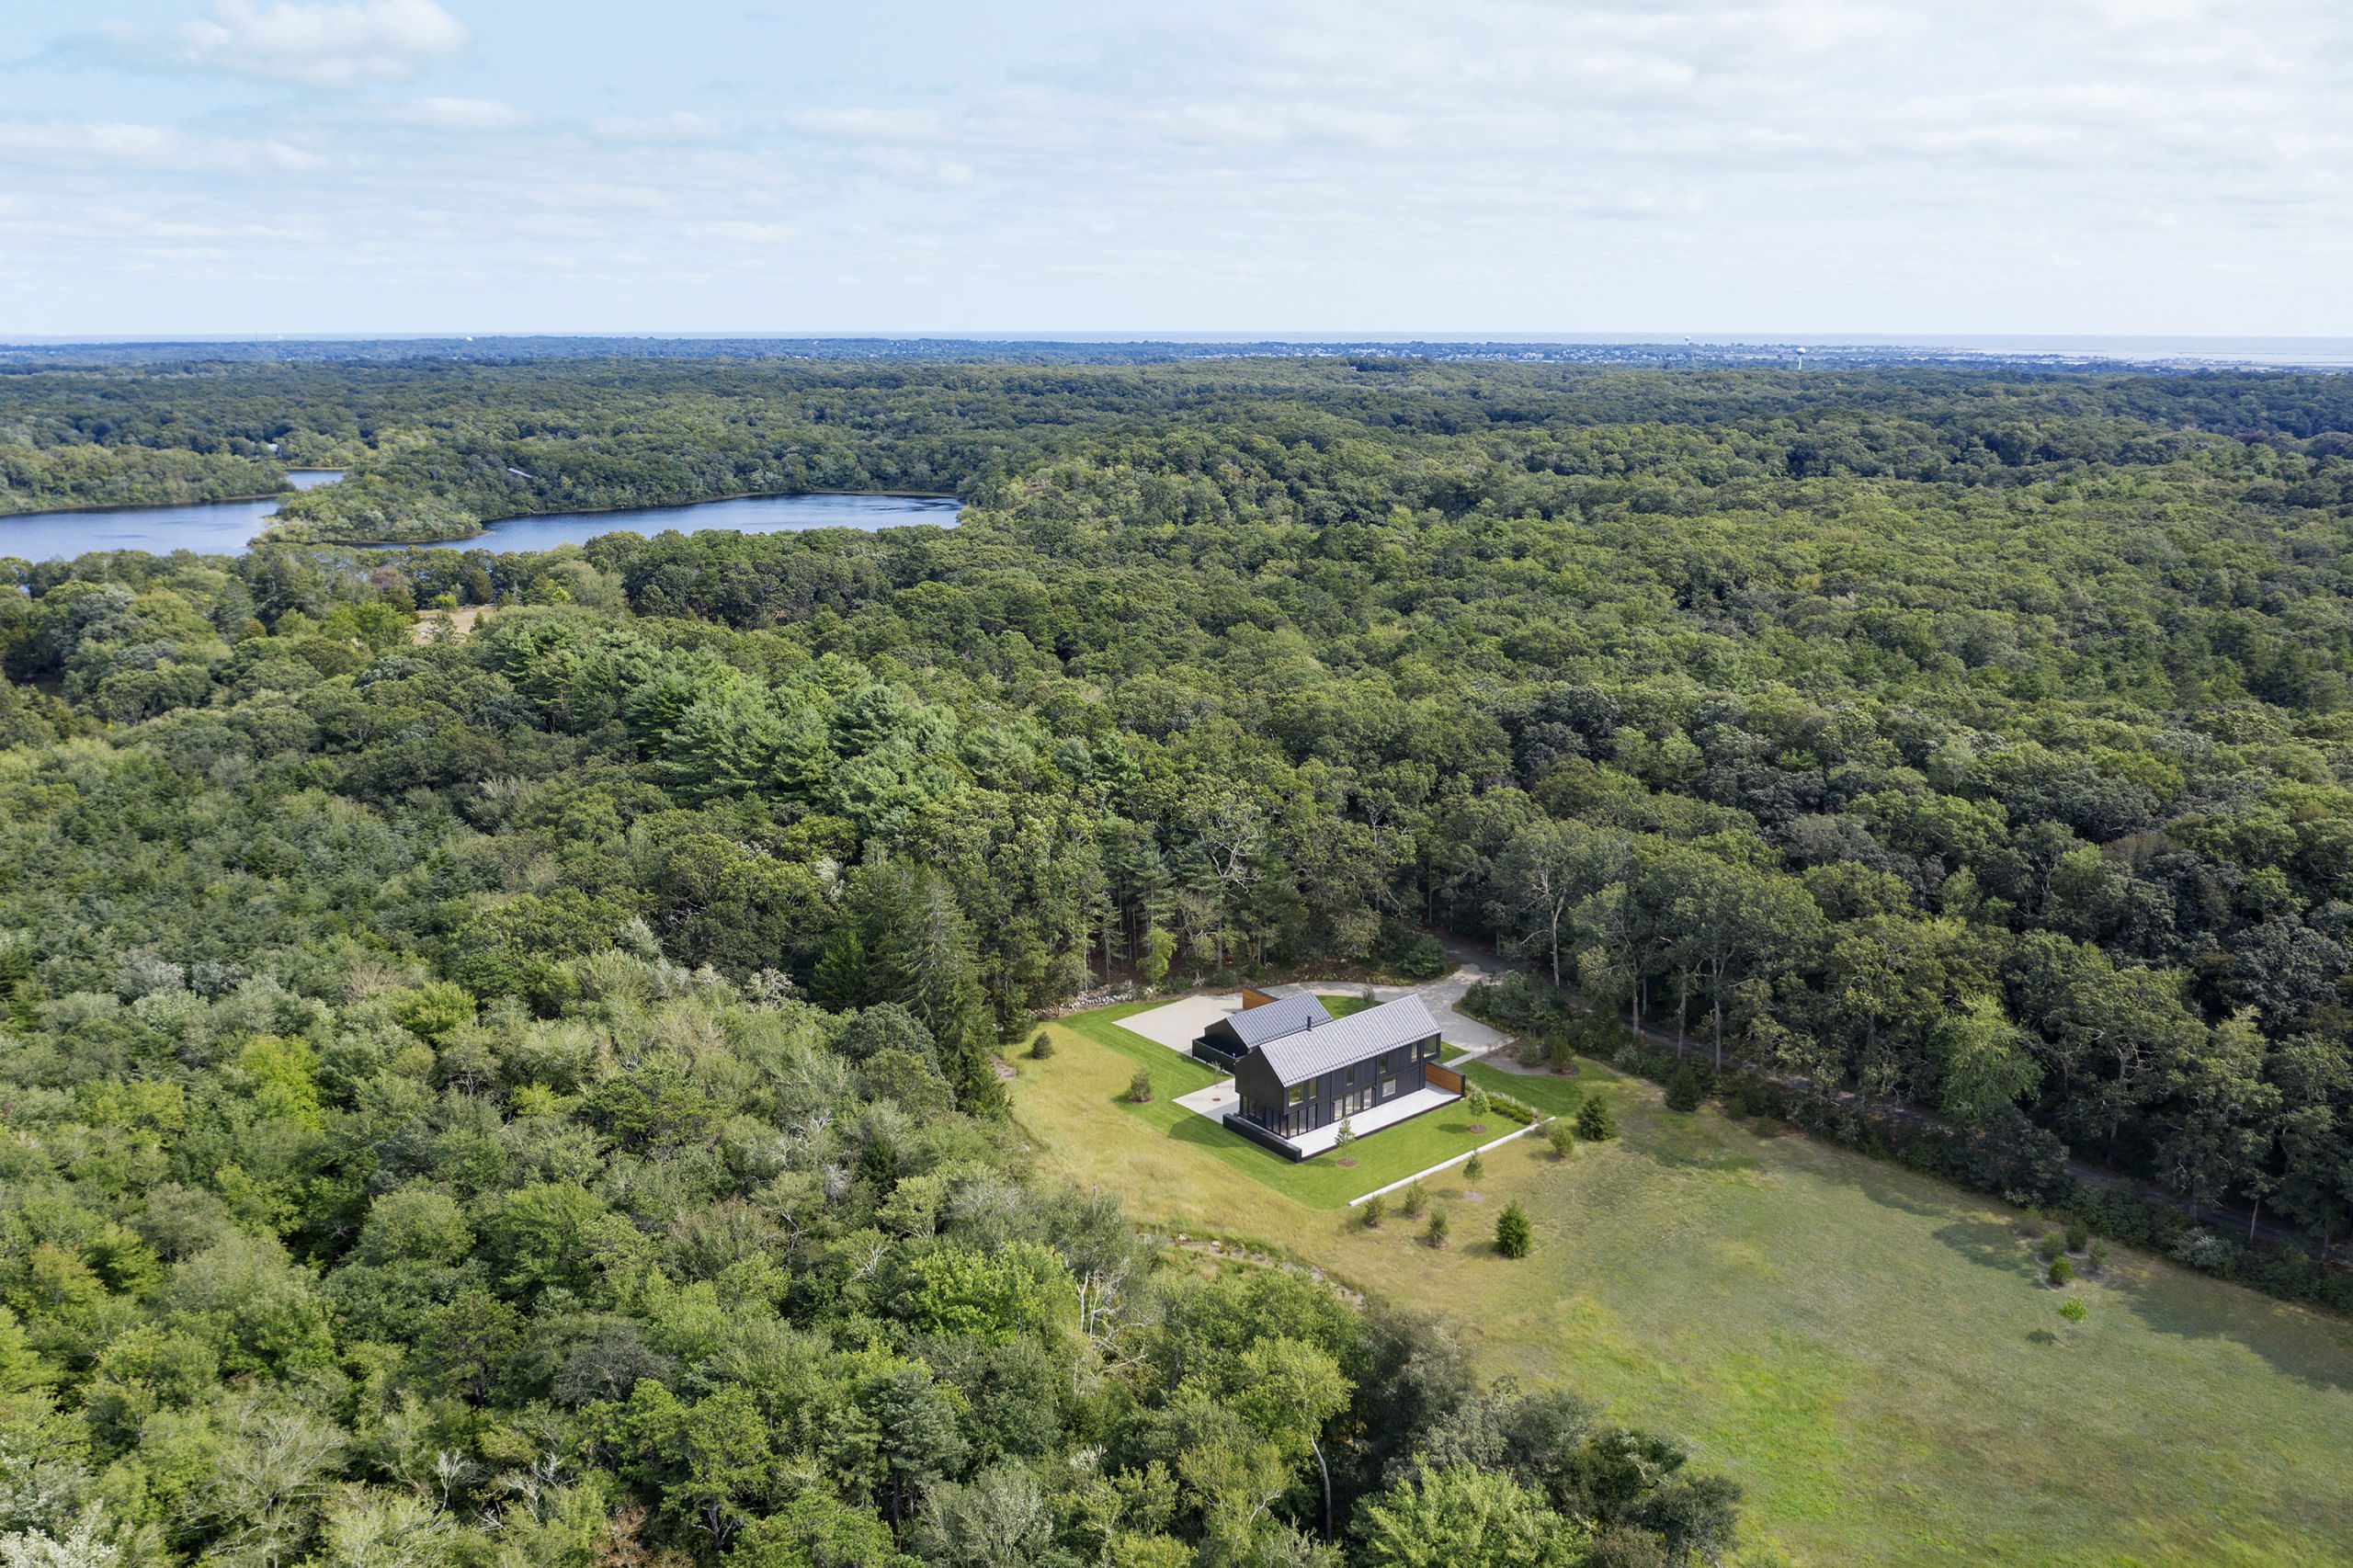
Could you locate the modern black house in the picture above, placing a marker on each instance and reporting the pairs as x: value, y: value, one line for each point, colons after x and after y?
x: 1371, y: 1069
x: 1225, y: 1042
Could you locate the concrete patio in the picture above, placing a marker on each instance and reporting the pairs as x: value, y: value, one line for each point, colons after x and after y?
x: 1322, y: 1139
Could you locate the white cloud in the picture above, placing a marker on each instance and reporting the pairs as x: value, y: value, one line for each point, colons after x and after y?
x: 681, y: 128
x: 124, y: 145
x: 323, y: 46
x: 453, y: 114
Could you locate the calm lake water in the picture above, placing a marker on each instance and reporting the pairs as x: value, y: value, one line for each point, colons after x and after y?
x: 225, y: 527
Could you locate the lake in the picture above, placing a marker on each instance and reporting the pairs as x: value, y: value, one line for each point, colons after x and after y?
x: 225, y: 527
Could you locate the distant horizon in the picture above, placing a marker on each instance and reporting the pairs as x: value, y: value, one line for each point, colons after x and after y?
x: 2317, y: 350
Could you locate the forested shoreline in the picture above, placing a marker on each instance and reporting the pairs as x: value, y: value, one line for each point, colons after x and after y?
x: 532, y: 1090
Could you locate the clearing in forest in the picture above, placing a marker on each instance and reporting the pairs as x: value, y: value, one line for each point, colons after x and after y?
x: 1870, y: 1352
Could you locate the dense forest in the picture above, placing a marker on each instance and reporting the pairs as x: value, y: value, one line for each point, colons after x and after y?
x: 528, y: 1094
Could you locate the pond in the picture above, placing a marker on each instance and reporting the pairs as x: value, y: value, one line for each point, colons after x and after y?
x: 227, y: 527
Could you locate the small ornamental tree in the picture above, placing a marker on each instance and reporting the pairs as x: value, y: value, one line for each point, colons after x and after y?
x: 1474, y: 1102
x: 1683, y: 1089
x: 1139, y: 1087
x: 1562, y: 1136
x: 1414, y: 1201
x: 1595, y: 1123
x: 1346, y: 1135
x: 1042, y: 1047
x: 1473, y: 1170
x: 1435, y: 1235
x: 1374, y: 1210
x: 1514, y: 1235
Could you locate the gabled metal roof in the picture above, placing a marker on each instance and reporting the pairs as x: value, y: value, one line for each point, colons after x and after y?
x: 1285, y: 1015
x: 1296, y: 1058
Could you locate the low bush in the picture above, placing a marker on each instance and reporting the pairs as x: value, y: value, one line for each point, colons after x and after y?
x: 2061, y: 1271
x: 1596, y: 1124
x: 1139, y: 1087
x: 1512, y: 1109
x: 1042, y: 1047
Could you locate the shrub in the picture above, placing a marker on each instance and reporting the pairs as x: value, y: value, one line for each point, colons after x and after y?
x: 2074, y: 1311
x: 1139, y: 1087
x: 1563, y: 1139
x: 1515, y: 1110
x: 1514, y: 1235
x: 1474, y: 1169
x: 1594, y: 1123
x: 1373, y: 1210
x: 2061, y: 1271
x: 1683, y: 1090
x: 2051, y: 1246
x: 1042, y: 1047
x: 2204, y: 1249
x: 1424, y: 959
x: 1414, y: 1201
x: 2100, y: 1255
x: 1435, y: 1235
x: 2079, y: 1236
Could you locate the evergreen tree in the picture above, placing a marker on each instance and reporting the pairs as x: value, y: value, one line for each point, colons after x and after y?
x: 1514, y: 1235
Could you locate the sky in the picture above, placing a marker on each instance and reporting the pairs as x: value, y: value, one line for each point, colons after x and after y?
x: 1460, y: 168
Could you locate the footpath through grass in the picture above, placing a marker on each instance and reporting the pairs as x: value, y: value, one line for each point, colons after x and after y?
x: 1869, y: 1351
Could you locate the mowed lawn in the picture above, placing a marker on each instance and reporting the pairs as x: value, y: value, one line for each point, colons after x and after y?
x: 1869, y: 1352
x: 1096, y: 1058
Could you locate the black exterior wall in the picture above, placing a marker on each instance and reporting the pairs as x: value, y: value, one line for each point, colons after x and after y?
x: 1348, y: 1090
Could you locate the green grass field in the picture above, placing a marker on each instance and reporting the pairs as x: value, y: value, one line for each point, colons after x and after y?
x: 1869, y: 1351
x: 1323, y: 1183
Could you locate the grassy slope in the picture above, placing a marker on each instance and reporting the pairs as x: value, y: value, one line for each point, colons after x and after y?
x: 1866, y: 1350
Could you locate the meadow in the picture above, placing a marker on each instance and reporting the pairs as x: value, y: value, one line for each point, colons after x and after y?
x: 1870, y: 1352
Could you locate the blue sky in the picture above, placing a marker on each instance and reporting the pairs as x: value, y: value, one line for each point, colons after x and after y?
x: 235, y: 167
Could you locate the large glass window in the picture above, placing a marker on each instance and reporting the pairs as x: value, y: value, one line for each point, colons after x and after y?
x: 1298, y: 1094
x: 1388, y: 1088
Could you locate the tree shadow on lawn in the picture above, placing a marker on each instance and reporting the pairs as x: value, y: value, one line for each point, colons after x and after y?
x: 1681, y: 1143
x: 1990, y: 1243
x: 2197, y: 1306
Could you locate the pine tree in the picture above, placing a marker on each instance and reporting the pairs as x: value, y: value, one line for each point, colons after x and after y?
x: 1514, y: 1235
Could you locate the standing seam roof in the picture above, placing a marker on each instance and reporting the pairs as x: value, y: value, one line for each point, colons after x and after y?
x: 1296, y: 1058
x: 1284, y: 1015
